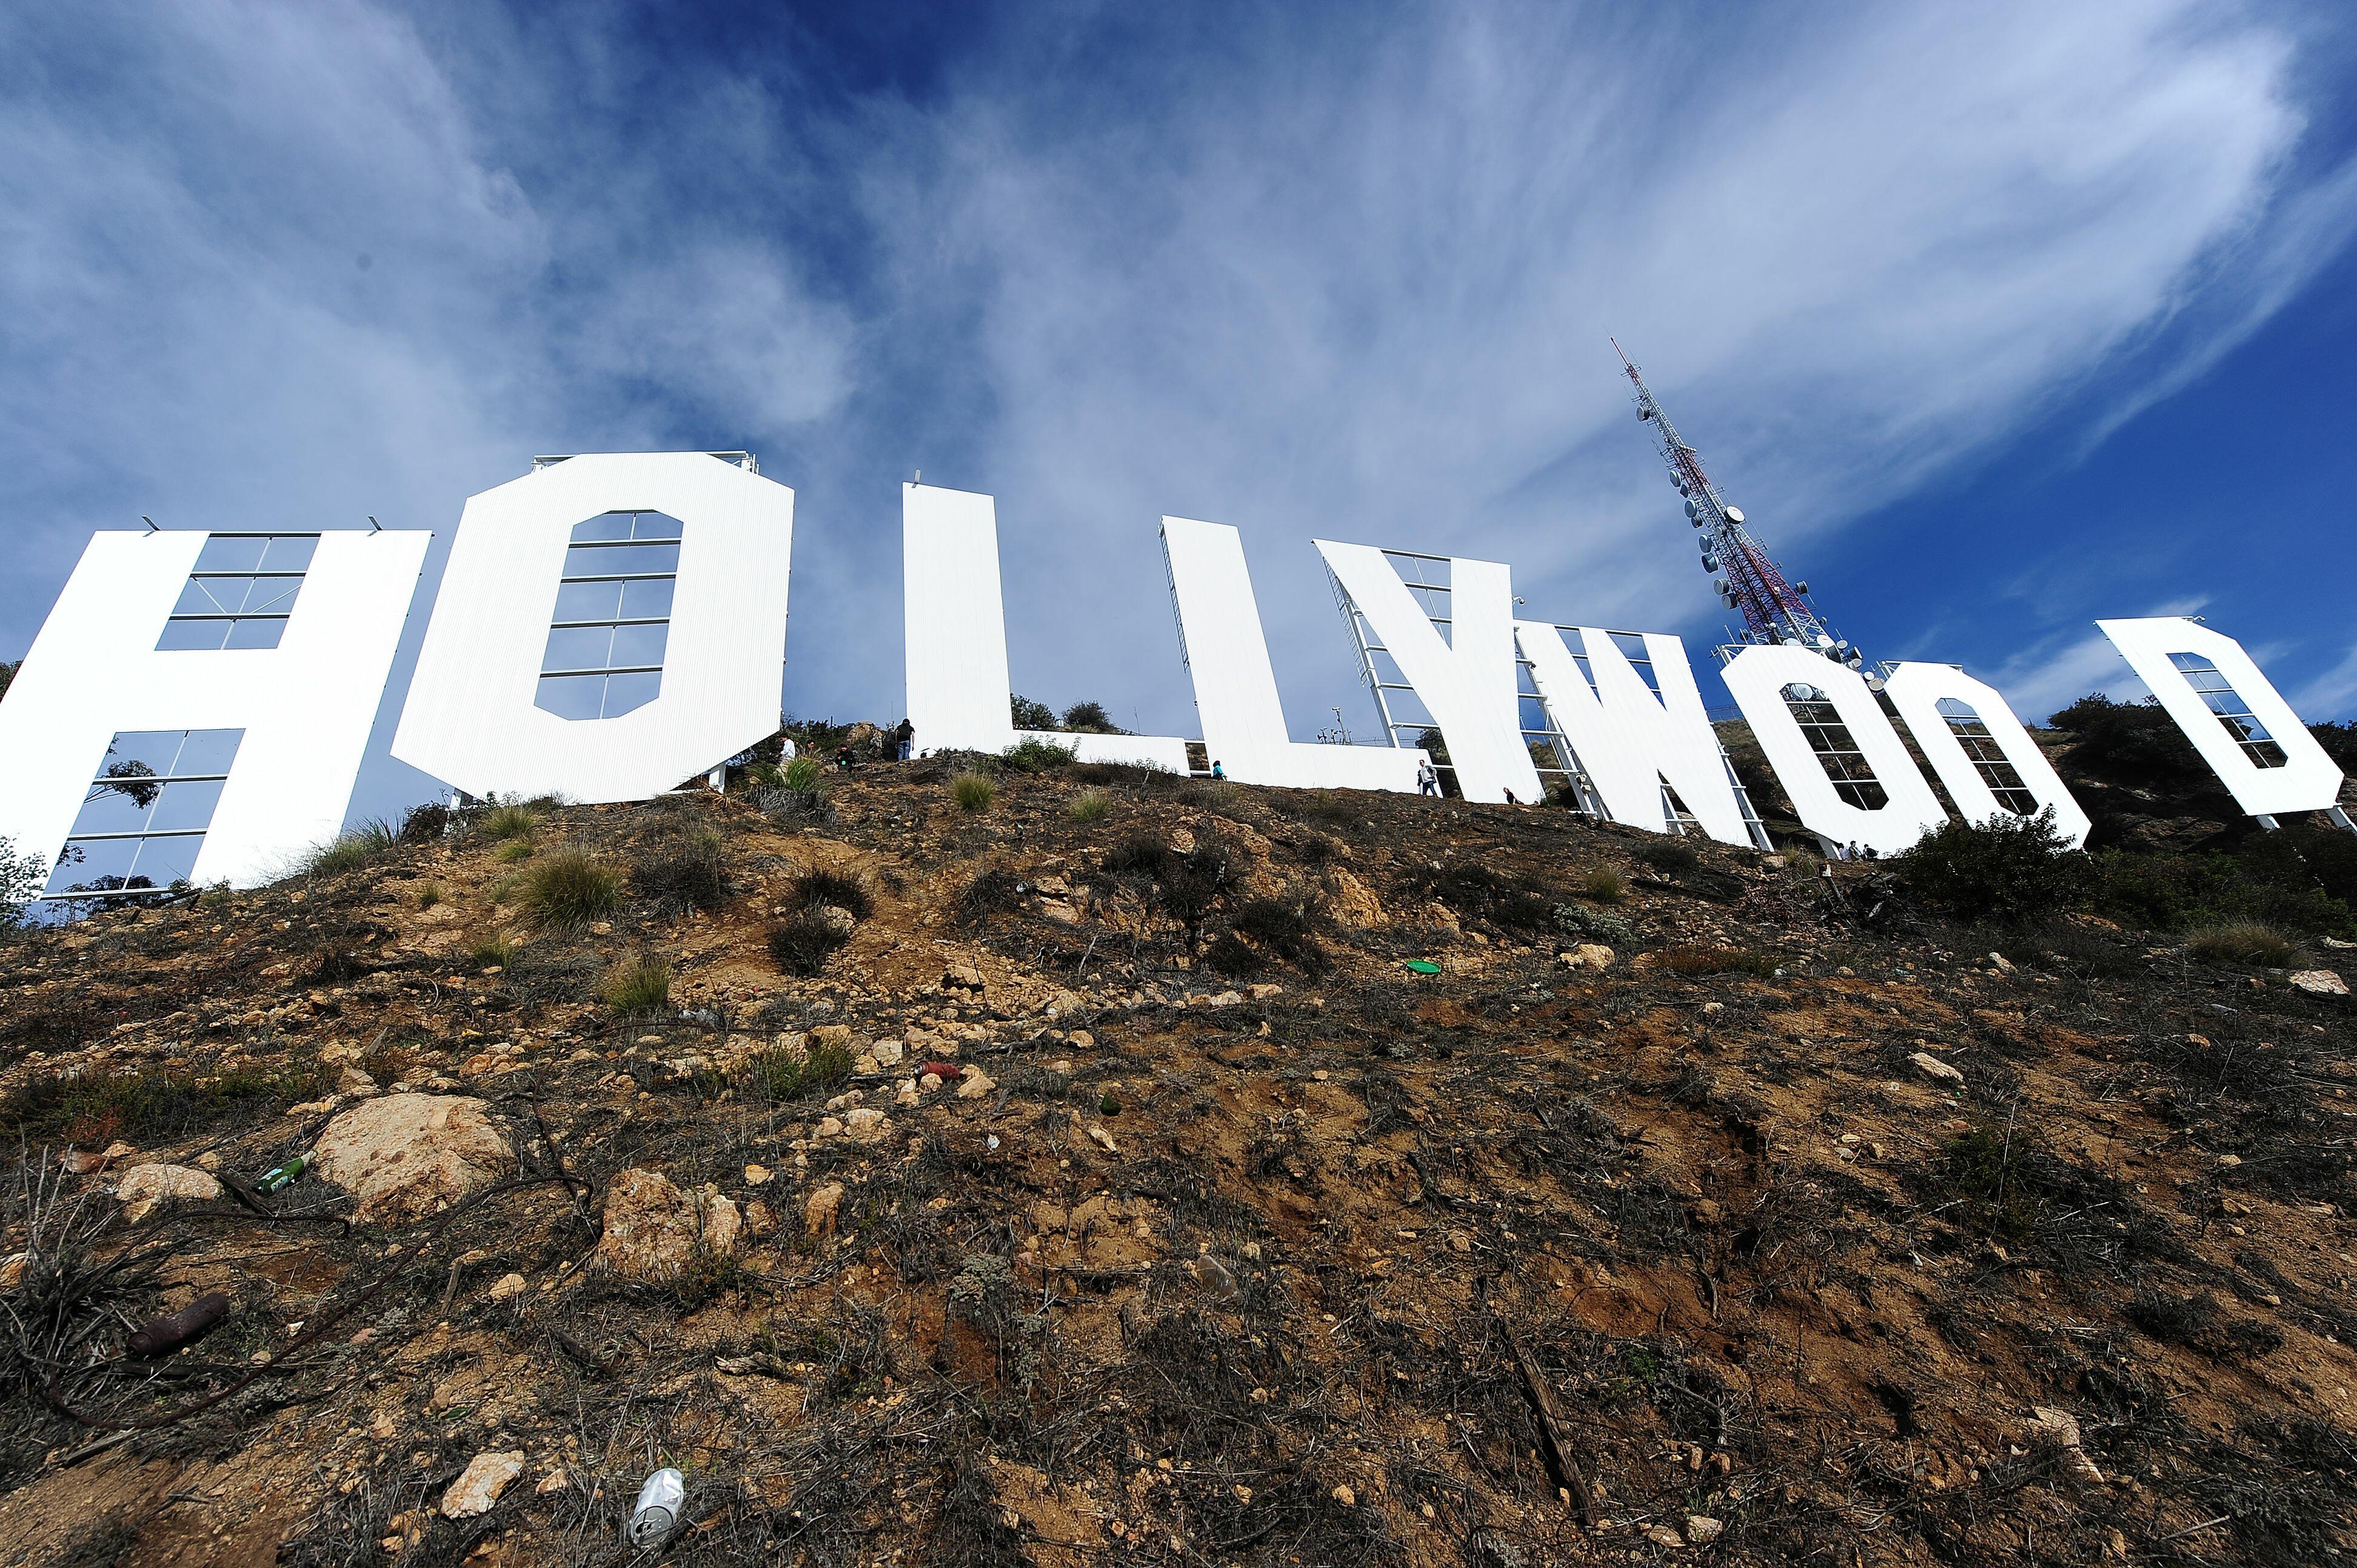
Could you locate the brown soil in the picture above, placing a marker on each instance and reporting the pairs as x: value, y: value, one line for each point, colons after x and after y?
x: 1243, y: 1257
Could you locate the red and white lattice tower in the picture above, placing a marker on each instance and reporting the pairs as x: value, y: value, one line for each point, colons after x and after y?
x: 1774, y: 609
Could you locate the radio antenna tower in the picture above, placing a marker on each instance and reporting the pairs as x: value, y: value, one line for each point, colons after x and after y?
x: 1775, y: 610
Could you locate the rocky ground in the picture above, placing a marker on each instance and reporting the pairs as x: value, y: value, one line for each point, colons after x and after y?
x: 1122, y: 1187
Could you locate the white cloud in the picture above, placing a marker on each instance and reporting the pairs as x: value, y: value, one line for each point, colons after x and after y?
x: 2330, y: 696
x: 1335, y: 273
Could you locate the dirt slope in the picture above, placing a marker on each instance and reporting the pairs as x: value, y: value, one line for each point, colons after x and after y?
x: 1258, y: 1247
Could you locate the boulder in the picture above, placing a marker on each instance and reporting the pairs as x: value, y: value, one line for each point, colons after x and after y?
x: 145, y: 1189
x: 820, y: 1209
x: 653, y: 1230
x: 481, y: 1484
x: 406, y: 1156
x: 1932, y: 1068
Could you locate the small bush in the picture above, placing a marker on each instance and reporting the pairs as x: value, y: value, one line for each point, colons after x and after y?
x: 1091, y: 718
x: 1605, y: 886
x: 510, y: 852
x: 356, y: 851
x: 1692, y: 961
x: 821, y: 888
x: 2254, y: 943
x: 993, y: 890
x: 1142, y: 856
x: 497, y: 948
x: 1284, y: 928
x: 1668, y: 855
x: 801, y: 944
x: 682, y: 872
x: 1034, y: 756
x: 1088, y: 806
x: 1577, y: 920
x: 783, y: 1074
x: 2006, y: 869
x: 1475, y: 891
x: 638, y: 988
x: 1029, y: 715
x: 501, y: 823
x: 162, y: 1102
x: 429, y: 896
x: 426, y: 823
x: 568, y: 888
x: 973, y: 792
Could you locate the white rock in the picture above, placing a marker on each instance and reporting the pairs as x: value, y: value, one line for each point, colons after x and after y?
x: 866, y: 1124
x: 653, y: 1230
x: 975, y: 1084
x: 887, y: 1053
x: 2318, y: 982
x: 145, y: 1189
x: 479, y: 1486
x: 1932, y: 1067
x: 409, y: 1155
x: 1701, y: 1528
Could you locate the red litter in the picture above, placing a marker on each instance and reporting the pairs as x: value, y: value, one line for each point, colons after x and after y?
x: 943, y: 1070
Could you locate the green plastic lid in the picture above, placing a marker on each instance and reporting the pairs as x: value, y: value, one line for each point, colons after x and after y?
x: 1423, y: 966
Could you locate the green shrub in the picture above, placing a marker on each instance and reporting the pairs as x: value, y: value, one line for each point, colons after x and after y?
x: 159, y: 1102
x: 510, y: 821
x: 820, y: 888
x: 2251, y: 942
x: 2005, y: 870
x: 1088, y: 806
x: 784, y: 1074
x: 1668, y: 855
x: 804, y: 775
x: 568, y: 888
x: 1605, y: 886
x: 1594, y: 925
x: 801, y: 944
x: 993, y: 890
x: 1034, y: 756
x: 357, y: 850
x: 638, y: 988
x: 1029, y: 715
x: 494, y: 949
x: 1091, y: 718
x: 426, y: 823
x: 681, y: 873
x: 973, y: 792
x: 429, y: 894
x: 509, y: 852
x: 1695, y: 960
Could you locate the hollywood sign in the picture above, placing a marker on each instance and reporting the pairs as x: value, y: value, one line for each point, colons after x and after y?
x: 196, y: 705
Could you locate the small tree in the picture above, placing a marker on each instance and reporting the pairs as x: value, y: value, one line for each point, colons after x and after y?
x: 1030, y: 714
x: 1090, y: 718
x: 21, y: 877
x: 2007, y: 869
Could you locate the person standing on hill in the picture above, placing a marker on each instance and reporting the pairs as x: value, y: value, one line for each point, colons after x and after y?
x: 905, y: 734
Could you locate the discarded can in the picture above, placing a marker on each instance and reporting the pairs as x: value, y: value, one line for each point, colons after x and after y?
x: 277, y: 1178
x: 186, y: 1326
x: 657, y: 1513
x: 943, y: 1070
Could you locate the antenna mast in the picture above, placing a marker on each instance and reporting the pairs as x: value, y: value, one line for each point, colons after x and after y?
x: 1775, y: 610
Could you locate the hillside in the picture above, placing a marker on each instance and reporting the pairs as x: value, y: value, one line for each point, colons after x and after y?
x: 1688, y: 1210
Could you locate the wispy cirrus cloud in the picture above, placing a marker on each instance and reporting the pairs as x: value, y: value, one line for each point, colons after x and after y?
x: 1308, y: 271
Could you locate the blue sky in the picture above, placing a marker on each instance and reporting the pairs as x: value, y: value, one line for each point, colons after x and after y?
x: 1995, y: 319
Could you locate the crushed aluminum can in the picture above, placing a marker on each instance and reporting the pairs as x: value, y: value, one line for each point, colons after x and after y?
x: 656, y: 1514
